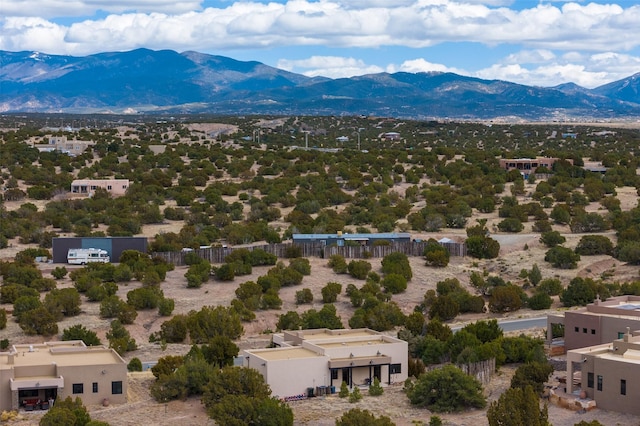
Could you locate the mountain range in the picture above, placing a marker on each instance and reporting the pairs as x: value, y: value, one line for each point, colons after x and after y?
x: 165, y: 81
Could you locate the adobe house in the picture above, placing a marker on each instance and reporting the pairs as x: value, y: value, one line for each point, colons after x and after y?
x: 61, y: 144
x: 526, y: 166
x: 116, y: 187
x: 609, y: 373
x: 597, y: 323
x: 33, y: 375
x: 320, y: 360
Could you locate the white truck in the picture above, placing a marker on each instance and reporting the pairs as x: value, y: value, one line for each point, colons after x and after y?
x: 83, y: 256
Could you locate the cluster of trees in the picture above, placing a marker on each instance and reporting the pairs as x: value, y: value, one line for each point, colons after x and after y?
x: 449, y: 389
x: 231, y: 395
x: 520, y: 404
x: 434, y: 343
x: 200, y: 326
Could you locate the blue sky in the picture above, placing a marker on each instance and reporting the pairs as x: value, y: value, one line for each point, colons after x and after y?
x: 534, y: 42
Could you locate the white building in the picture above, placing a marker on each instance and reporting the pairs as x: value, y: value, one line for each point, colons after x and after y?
x: 321, y: 359
x: 116, y: 187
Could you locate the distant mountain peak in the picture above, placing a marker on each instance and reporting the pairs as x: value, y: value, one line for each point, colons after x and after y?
x: 167, y: 81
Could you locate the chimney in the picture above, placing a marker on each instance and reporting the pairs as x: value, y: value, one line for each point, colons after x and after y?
x: 627, y: 334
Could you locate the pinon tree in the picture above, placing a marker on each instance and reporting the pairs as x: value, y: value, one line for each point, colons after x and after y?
x: 518, y: 406
x: 447, y: 389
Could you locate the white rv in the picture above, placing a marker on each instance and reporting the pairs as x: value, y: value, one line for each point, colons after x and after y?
x: 83, y: 256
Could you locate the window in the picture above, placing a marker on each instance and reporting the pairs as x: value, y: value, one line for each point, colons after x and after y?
x: 395, y: 368
x: 623, y: 387
x: 599, y: 382
x: 593, y: 331
x: 109, y: 187
x: 116, y: 388
x: 590, y: 380
x: 78, y: 388
x: 620, y: 335
x: 334, y: 374
x: 584, y: 330
x: 95, y: 387
x: 577, y: 329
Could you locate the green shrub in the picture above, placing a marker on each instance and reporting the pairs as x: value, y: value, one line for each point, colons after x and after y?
x: 79, y: 332
x: 447, y: 390
x: 375, y: 389
x: 304, y: 296
x: 338, y: 264
x: 562, y: 257
x: 330, y: 292
x: 166, y: 306
x: 344, y: 390
x: 359, y: 269
x: 134, y: 365
x: 397, y: 263
x: 59, y: 272
x: 511, y: 224
x: 301, y: 265
x: 539, y: 301
x: 394, y: 283
x: 551, y: 286
x: 355, y: 395
x: 594, y: 245
x: 552, y: 238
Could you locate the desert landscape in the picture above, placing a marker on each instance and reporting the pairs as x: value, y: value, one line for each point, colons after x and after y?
x: 517, y: 252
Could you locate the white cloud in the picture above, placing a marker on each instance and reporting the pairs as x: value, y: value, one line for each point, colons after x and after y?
x: 418, y: 23
x: 545, y: 76
x: 530, y: 57
x: 585, y: 70
x: 328, y: 66
x: 65, y: 8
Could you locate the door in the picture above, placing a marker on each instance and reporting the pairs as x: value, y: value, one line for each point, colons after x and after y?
x: 346, y: 376
x: 377, y: 372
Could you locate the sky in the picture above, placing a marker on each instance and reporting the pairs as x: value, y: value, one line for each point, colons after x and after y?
x: 532, y: 42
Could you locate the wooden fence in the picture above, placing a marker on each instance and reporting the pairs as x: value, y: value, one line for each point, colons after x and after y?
x: 481, y: 370
x: 217, y: 255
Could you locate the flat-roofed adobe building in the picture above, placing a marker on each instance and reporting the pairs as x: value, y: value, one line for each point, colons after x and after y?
x: 116, y: 187
x: 609, y: 373
x: 597, y: 323
x: 321, y: 358
x: 526, y: 166
x: 32, y: 375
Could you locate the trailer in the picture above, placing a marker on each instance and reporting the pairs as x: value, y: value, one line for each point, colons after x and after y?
x: 82, y: 256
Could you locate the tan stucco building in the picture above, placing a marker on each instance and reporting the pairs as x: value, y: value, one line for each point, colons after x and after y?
x: 32, y: 375
x: 62, y: 144
x: 322, y: 359
x: 598, y: 323
x: 115, y: 187
x: 527, y: 166
x: 609, y: 374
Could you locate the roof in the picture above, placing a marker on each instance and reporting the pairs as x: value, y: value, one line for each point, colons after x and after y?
x: 63, y: 354
x: 294, y: 352
x: 389, y: 235
x: 352, y: 343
